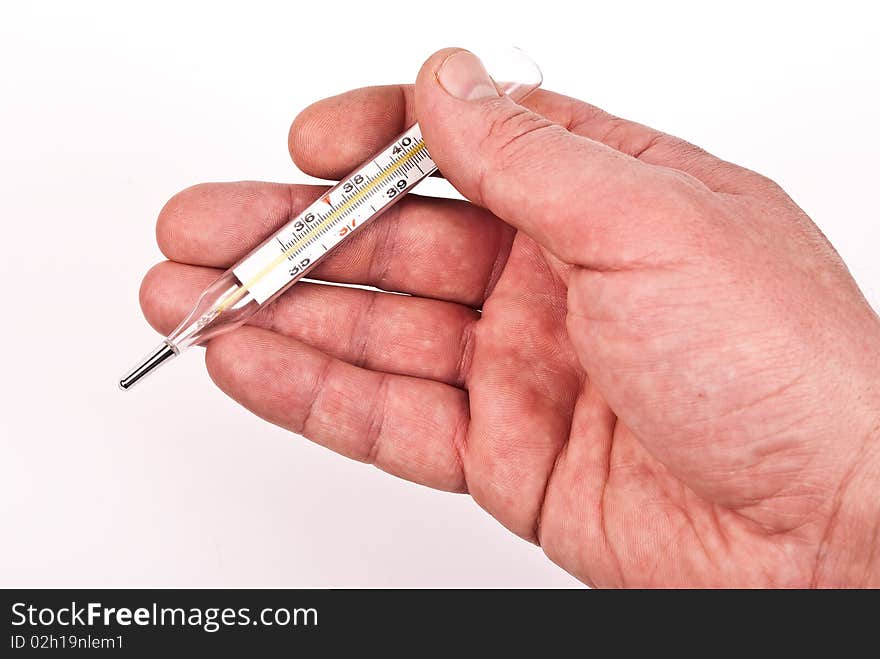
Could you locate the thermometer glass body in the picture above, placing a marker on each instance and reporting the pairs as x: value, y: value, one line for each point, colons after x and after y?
x: 296, y: 248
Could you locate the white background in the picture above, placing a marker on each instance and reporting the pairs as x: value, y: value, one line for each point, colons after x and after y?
x: 108, y: 109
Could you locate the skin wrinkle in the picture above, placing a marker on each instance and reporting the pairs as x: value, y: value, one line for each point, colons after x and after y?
x: 379, y: 267
x: 719, y: 528
x: 836, y: 508
x: 684, y: 527
x: 459, y: 447
x: 603, y: 504
x: 536, y: 533
x: 376, y: 424
x: 614, y: 125
x: 362, y: 330
x: 763, y: 399
x: 516, y: 126
x: 502, y: 252
x: 872, y: 554
x: 314, y: 395
x: 653, y: 141
x: 536, y: 528
x: 695, y: 527
x: 463, y: 367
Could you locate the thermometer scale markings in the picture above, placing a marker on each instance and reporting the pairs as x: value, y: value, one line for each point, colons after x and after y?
x: 405, y: 163
x: 353, y: 202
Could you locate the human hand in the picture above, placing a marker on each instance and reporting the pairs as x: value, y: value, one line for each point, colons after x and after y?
x: 645, y: 359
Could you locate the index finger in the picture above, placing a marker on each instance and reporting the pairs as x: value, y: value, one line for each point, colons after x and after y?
x: 332, y: 136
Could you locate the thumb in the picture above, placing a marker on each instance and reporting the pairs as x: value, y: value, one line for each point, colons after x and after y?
x: 579, y: 198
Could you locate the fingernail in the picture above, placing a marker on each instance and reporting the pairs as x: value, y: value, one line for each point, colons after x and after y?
x: 463, y: 75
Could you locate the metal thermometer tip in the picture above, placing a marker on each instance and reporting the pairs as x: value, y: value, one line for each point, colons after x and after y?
x: 147, y: 365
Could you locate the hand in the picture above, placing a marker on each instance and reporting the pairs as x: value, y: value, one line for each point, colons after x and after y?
x: 646, y: 359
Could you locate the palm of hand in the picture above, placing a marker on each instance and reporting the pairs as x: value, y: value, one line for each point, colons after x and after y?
x: 546, y: 455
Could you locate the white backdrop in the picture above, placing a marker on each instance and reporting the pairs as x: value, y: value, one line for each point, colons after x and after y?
x: 106, y: 110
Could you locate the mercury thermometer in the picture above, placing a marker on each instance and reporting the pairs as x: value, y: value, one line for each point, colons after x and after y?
x: 296, y: 248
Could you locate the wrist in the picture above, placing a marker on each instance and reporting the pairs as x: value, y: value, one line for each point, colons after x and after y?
x: 849, y: 555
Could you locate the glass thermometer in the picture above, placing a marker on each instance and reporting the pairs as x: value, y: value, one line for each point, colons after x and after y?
x: 296, y: 248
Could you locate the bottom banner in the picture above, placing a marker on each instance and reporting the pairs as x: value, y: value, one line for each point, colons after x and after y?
x: 144, y: 622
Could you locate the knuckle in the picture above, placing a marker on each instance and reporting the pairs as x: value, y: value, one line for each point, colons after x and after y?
x: 513, y: 135
x: 675, y: 149
x: 617, y: 132
x: 511, y: 132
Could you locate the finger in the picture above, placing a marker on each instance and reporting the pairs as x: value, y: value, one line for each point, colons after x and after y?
x: 406, y: 426
x: 439, y: 248
x: 642, y: 142
x: 594, y: 206
x: 331, y: 137
x: 380, y: 331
